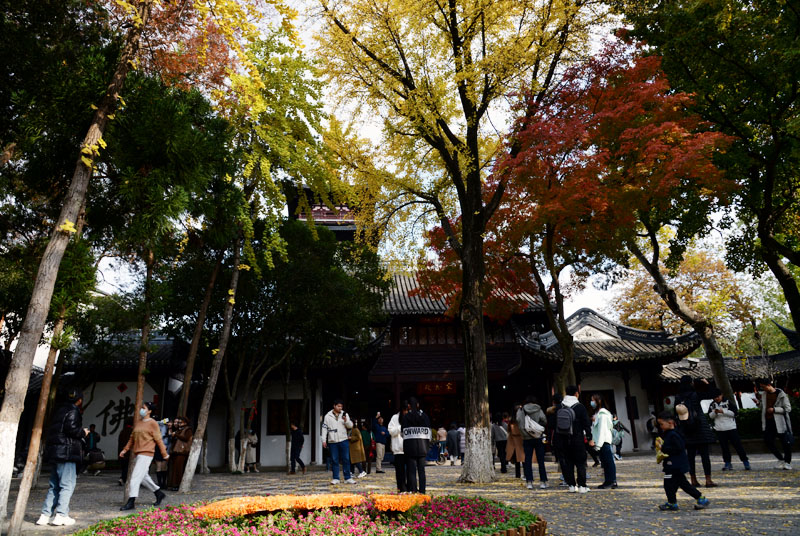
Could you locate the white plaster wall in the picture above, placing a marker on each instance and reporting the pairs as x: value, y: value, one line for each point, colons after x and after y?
x: 96, y: 399
x: 272, y: 448
x: 613, y: 380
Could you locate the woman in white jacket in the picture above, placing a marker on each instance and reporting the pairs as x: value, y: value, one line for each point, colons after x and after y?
x: 723, y: 420
x: 396, y: 434
x: 602, y: 424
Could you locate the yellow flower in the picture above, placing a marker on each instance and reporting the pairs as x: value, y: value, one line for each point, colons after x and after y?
x: 67, y: 227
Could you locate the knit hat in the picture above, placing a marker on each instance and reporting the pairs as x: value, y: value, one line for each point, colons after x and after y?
x: 682, y: 411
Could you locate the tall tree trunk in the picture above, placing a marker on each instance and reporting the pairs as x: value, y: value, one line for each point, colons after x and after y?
x: 788, y: 285
x: 555, y: 316
x: 205, y: 407
x: 149, y: 261
x: 15, y: 527
x: 285, y: 381
x: 198, y: 333
x: 231, y: 391
x: 478, y: 466
x: 699, y: 323
x: 16, y: 385
x: 306, y: 398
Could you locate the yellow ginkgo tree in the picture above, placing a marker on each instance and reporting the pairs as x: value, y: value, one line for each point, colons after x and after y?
x: 440, y: 77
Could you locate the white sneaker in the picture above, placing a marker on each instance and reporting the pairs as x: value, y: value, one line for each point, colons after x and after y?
x: 62, y: 521
x: 543, y: 485
x: 787, y: 466
x: 573, y: 489
x: 583, y: 489
x: 530, y: 485
x: 44, y: 519
x: 362, y: 474
x: 780, y: 464
x: 617, y: 457
x: 334, y: 481
x: 350, y: 481
x: 255, y: 470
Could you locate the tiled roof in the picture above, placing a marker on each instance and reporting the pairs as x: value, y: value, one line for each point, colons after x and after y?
x: 434, y: 364
x: 166, y: 354
x: 792, y: 336
x: 749, y: 369
x: 401, y: 302
x: 598, y: 339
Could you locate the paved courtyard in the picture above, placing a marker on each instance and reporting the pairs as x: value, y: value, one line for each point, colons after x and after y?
x: 761, y: 501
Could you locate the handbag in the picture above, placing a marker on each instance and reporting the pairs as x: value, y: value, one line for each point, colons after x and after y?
x: 180, y: 447
x: 532, y: 427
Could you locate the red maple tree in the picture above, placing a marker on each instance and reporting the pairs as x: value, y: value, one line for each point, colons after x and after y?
x: 610, y: 147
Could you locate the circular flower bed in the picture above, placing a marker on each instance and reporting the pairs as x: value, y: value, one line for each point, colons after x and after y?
x: 329, y: 515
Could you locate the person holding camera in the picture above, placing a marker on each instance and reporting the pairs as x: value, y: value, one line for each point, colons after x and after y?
x: 335, y: 433
x: 723, y: 418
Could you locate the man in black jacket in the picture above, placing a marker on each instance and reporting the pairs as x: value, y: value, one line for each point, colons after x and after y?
x: 572, y: 425
x: 416, y: 441
x: 64, y: 450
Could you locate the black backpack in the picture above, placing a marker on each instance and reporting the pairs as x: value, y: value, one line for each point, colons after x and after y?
x: 565, y: 418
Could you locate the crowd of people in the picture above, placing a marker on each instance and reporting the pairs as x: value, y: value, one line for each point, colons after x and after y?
x: 571, y: 430
x: 145, y: 442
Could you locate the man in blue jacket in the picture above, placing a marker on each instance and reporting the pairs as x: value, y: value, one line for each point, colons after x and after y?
x: 64, y: 450
x: 381, y: 434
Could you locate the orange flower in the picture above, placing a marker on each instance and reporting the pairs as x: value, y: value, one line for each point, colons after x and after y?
x: 398, y: 503
x: 238, y: 506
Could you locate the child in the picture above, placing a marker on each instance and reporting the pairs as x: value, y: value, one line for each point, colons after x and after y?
x: 676, y: 464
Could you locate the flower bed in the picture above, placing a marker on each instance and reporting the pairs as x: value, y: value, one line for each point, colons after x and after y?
x: 329, y: 515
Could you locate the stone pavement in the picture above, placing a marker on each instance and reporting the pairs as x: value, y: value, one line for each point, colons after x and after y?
x: 761, y: 501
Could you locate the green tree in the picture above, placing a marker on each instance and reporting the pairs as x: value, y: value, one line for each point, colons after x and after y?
x: 741, y: 61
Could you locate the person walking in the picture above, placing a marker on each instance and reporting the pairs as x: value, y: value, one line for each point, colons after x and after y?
x: 441, y: 440
x: 514, y: 449
x: 618, y: 435
x: 602, y: 428
x: 396, y: 433
x: 500, y: 440
x: 250, y: 452
x: 416, y: 428
x: 573, y: 427
x: 122, y: 440
x: 369, y: 444
x: 296, y: 448
x: 93, y: 459
x: 453, y: 443
x: 551, y: 430
x: 671, y: 451
x: 181, y: 434
x: 530, y: 413
x: 695, y: 429
x: 462, y: 442
x: 381, y: 435
x: 335, y: 432
x: 64, y: 449
x: 775, y: 421
x: 160, y: 464
x: 723, y: 420
x: 145, y: 438
x: 357, y: 454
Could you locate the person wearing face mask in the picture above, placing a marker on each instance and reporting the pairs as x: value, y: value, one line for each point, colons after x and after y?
x: 601, y: 433
x: 619, y: 434
x: 145, y: 438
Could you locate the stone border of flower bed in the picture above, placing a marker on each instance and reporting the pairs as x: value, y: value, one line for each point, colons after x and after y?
x: 537, y: 529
